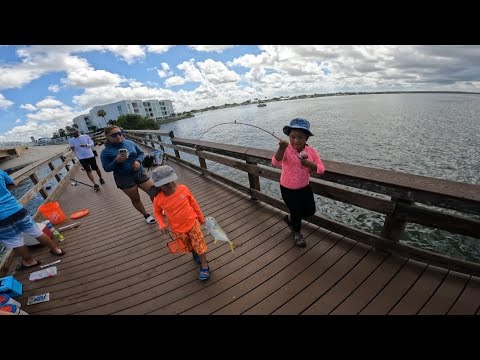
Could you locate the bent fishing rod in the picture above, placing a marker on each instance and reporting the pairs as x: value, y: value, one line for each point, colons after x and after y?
x: 239, y: 123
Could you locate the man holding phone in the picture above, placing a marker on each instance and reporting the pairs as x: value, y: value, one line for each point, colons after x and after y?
x: 82, y: 146
x: 124, y: 158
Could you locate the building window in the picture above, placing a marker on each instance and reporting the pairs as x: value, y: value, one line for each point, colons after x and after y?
x: 120, y: 109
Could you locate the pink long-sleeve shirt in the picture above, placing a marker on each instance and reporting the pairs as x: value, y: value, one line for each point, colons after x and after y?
x: 294, y: 174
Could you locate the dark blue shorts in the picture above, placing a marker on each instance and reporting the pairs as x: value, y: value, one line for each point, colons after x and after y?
x: 128, y: 181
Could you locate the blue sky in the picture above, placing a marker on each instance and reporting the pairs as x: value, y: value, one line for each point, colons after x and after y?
x: 42, y: 88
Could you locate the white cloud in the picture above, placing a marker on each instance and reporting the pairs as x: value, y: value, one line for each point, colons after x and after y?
x: 88, y: 78
x: 159, y: 49
x: 191, y: 72
x: 54, y: 88
x: 216, y: 72
x: 128, y: 53
x: 165, y: 71
x: 174, y: 81
x: 5, y: 103
x: 48, y: 102
x: 18, y: 121
x: 28, y: 107
x: 209, y: 48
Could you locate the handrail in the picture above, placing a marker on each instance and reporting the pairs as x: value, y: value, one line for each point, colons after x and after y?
x: 39, y: 187
x: 396, y: 195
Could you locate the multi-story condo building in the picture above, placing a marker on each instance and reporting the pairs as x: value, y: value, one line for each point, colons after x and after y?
x: 153, y: 109
x: 84, y: 123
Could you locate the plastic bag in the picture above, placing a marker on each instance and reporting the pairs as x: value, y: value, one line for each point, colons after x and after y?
x: 42, y: 274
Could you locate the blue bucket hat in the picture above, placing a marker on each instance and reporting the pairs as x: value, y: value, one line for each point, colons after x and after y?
x: 298, y: 123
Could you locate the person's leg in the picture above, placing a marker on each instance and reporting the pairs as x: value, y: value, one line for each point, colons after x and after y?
x: 94, y: 166
x: 88, y: 169
x: 29, y: 226
x: 146, y: 185
x: 46, y: 241
x: 200, y: 247
x: 294, y: 203
x: 99, y: 173
x: 28, y: 259
x: 134, y: 196
x: 90, y: 176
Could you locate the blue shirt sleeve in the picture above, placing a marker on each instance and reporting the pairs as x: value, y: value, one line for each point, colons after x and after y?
x: 8, y: 179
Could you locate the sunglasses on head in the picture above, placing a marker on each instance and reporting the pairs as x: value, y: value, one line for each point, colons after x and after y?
x: 120, y: 133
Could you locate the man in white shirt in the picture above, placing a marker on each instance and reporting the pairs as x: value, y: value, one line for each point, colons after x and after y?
x: 82, y: 146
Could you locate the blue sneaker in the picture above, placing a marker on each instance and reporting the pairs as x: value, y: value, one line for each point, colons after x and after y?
x: 204, y: 274
x: 196, y: 258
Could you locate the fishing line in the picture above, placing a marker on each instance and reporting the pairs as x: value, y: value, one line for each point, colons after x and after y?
x: 257, y: 127
x: 239, y: 123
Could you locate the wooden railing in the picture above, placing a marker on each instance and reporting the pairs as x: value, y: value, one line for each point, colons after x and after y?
x: 39, y: 187
x: 403, y: 198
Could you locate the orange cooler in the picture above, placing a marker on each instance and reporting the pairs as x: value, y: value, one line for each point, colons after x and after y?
x: 53, y: 212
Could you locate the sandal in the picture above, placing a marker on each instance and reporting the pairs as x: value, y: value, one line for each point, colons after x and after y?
x: 299, y: 240
x: 288, y: 222
x: 22, y: 267
x: 59, y: 254
x: 204, y: 274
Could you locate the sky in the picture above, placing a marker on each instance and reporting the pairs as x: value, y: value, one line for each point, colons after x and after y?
x: 43, y: 87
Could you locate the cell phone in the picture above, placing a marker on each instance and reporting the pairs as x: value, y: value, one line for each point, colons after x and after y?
x: 122, y: 151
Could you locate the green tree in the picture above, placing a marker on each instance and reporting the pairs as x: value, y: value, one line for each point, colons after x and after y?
x: 75, y: 126
x: 136, y: 122
x: 112, y: 122
x: 62, y: 133
x: 102, y: 113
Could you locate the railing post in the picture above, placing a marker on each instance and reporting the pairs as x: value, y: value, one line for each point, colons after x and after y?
x: 35, y: 181
x: 254, y: 180
x: 161, y: 146
x: 177, y: 154
x: 201, y: 160
x: 394, y: 227
x: 67, y: 166
x: 150, y: 136
x: 50, y: 165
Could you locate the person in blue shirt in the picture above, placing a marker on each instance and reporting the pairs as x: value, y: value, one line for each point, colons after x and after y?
x: 16, y: 221
x: 124, y: 158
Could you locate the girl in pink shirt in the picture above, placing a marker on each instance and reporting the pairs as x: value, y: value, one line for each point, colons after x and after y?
x: 297, y: 163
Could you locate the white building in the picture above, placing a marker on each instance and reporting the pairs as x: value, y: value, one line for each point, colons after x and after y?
x: 152, y: 109
x: 85, y: 123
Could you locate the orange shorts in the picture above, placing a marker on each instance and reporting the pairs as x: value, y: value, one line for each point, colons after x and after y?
x: 193, y: 239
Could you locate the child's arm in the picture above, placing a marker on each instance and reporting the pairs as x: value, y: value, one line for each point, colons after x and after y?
x: 157, y: 213
x: 282, y: 146
x: 316, y: 165
x: 195, y: 206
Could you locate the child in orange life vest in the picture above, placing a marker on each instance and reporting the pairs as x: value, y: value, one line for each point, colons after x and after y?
x: 297, y: 161
x: 183, y: 214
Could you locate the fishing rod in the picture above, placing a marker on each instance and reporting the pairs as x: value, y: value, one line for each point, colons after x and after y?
x: 239, y: 123
x: 300, y: 156
x: 75, y: 183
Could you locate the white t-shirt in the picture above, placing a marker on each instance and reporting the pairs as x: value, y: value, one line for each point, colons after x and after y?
x: 82, y: 152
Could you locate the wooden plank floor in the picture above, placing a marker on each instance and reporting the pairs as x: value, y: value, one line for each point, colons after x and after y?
x: 116, y: 263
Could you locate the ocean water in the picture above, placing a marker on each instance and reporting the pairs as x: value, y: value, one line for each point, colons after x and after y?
x: 432, y: 135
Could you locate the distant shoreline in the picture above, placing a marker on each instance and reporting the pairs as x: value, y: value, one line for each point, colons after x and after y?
x: 308, y: 96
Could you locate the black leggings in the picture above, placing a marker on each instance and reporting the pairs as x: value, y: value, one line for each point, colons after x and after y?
x: 301, y: 204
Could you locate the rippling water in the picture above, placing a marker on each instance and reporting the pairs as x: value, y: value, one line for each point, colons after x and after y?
x: 433, y: 135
